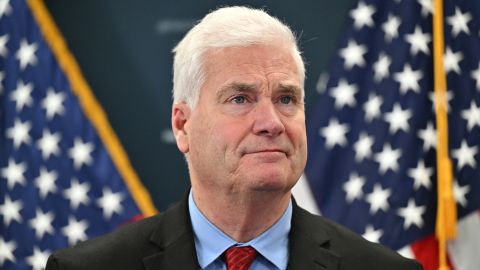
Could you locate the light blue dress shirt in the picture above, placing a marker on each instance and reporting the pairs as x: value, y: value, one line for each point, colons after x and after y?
x: 210, y: 242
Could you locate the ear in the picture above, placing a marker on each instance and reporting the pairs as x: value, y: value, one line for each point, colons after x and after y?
x: 180, y: 117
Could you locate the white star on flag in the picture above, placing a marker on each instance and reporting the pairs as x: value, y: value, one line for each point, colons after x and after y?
x: 460, y: 193
x: 335, y: 133
x: 19, y: 133
x: 38, y: 260
x: 421, y: 175
x: 388, y: 158
x: 6, y: 251
x: 427, y: 7
x: 3, y: 45
x: 398, y: 119
x: 408, y: 79
x: 363, y: 147
x: 22, y: 95
x: 353, y: 187
x: 42, y: 223
x: 45, y: 182
x: 77, y: 193
x: 451, y: 61
x: 344, y: 94
x: 459, y: 22
x: 390, y: 27
x: 110, y: 203
x: 81, y: 153
x: 52, y: 103
x: 475, y: 74
x: 381, y: 67
x: 49, y: 144
x: 10, y: 210
x: 429, y: 137
x: 75, y: 230
x: 14, y: 173
x: 419, y: 41
x: 372, y: 235
x: 5, y: 8
x: 26, y: 54
x: 362, y: 15
x: 412, y: 214
x: 472, y: 116
x: 378, y: 199
x: 353, y: 54
x: 372, y: 107
x: 465, y: 155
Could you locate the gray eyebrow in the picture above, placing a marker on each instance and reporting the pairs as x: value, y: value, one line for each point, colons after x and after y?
x: 240, y: 87
x: 291, y: 88
x: 237, y: 87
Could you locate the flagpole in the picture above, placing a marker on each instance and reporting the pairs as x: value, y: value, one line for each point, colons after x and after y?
x: 446, y: 207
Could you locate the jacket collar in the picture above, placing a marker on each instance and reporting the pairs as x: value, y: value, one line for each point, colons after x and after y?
x: 174, y: 238
x: 309, y: 243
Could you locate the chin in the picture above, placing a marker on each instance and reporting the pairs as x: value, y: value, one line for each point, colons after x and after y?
x: 271, y: 182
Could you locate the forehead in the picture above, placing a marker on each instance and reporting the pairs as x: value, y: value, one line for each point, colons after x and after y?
x: 251, y: 64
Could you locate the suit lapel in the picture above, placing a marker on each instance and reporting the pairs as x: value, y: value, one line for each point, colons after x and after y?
x: 174, y: 238
x: 309, y: 244
x: 176, y: 248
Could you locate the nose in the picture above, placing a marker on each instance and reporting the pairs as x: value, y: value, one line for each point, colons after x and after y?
x: 267, y: 120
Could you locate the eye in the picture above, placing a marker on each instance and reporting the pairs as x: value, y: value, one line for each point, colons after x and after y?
x: 239, y: 99
x: 286, y: 100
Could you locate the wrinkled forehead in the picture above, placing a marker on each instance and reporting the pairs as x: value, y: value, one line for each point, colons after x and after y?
x: 258, y: 59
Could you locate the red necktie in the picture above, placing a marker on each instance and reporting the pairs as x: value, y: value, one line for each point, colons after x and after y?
x: 239, y: 258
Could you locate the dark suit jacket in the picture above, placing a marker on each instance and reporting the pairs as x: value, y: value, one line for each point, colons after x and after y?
x: 165, y: 241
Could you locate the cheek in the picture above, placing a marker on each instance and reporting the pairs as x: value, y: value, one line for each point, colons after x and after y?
x: 226, y: 138
x: 214, y: 135
x: 298, y: 137
x: 296, y: 131
x: 199, y: 137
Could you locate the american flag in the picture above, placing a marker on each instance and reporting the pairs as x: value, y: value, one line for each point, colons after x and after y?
x: 58, y: 183
x: 372, y: 135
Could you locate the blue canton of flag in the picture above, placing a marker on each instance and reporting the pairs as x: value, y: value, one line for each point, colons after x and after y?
x: 372, y: 137
x: 58, y: 183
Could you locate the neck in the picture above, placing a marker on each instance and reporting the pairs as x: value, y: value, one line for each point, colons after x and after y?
x: 242, y: 217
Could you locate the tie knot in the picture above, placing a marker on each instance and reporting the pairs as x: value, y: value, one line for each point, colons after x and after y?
x: 239, y: 258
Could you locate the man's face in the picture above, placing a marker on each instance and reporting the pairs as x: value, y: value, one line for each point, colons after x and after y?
x: 247, y: 132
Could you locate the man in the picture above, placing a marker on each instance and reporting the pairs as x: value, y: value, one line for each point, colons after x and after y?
x: 238, y: 116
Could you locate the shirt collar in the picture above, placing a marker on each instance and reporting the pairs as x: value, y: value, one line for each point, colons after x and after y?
x: 211, y: 242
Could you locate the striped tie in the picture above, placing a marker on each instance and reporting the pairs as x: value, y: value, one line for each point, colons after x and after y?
x: 239, y: 258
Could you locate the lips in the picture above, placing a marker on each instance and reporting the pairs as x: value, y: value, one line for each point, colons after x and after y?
x: 267, y: 151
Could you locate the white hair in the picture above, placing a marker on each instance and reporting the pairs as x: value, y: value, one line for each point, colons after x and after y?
x: 222, y: 28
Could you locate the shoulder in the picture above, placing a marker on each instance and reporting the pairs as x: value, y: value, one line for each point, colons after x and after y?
x: 354, y: 251
x: 124, y: 247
